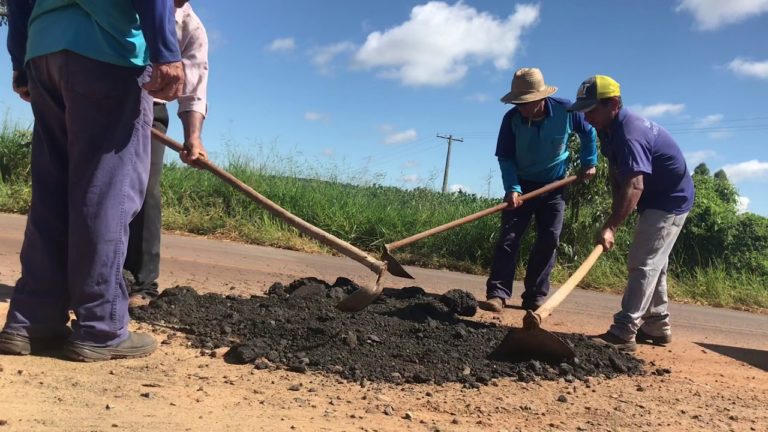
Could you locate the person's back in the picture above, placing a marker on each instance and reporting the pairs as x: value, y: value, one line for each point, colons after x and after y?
x: 670, y: 187
x: 108, y: 31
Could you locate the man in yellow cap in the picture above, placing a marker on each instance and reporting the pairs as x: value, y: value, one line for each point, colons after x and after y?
x: 532, y: 150
x: 648, y: 173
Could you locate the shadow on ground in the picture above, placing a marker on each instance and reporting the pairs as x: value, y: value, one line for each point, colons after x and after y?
x: 752, y: 357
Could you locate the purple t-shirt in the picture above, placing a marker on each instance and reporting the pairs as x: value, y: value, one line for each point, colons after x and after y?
x: 633, y: 144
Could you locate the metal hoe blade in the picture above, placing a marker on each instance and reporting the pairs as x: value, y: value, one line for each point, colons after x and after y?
x: 393, y: 266
x: 361, y: 298
x: 532, y: 342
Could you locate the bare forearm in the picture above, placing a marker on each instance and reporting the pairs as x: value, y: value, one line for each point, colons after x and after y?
x: 626, y: 194
x: 193, y: 124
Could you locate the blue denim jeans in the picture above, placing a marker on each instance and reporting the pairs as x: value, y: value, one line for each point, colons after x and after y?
x: 549, y: 210
x: 90, y: 163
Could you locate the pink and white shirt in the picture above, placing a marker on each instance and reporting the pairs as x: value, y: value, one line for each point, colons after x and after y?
x: 193, y: 43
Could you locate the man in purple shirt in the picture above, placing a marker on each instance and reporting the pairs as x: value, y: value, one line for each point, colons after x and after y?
x: 85, y: 68
x: 647, y: 172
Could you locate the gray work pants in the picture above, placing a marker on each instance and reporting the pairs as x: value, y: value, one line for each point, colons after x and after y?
x: 645, y: 298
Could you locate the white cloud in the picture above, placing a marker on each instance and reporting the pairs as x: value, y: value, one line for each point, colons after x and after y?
x: 410, y: 178
x: 710, y: 120
x: 697, y: 157
x: 328, y: 152
x: 316, y: 116
x: 658, y: 110
x: 454, y: 188
x: 753, y: 170
x: 439, y: 42
x: 410, y: 164
x: 748, y: 68
x: 282, y: 45
x: 323, y: 56
x: 743, y: 205
x: 477, y: 97
x: 712, y: 14
x: 401, y: 137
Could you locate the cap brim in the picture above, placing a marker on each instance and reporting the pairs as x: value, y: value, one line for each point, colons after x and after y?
x: 583, y: 105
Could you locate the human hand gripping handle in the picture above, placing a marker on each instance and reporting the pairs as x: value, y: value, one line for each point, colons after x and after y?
x: 605, y: 237
x: 513, y: 200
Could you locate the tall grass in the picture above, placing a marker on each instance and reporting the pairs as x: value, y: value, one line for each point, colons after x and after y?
x: 351, y: 204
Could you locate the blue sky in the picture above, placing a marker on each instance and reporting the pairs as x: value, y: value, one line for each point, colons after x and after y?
x: 363, y: 87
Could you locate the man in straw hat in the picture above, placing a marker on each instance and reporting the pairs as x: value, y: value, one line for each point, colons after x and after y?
x: 532, y: 149
x: 647, y: 172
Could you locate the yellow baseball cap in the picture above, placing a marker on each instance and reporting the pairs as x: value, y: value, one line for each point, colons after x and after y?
x: 592, y: 90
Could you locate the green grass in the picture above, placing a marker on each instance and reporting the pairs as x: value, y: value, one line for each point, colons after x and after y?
x: 350, y: 204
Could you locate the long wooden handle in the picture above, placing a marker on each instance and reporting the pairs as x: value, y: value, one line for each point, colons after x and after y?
x: 473, y: 217
x: 300, y: 224
x: 554, y: 301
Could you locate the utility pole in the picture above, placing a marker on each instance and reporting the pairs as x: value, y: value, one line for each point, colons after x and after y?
x: 450, y: 139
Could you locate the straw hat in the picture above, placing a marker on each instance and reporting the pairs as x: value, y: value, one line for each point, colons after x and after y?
x: 528, y: 86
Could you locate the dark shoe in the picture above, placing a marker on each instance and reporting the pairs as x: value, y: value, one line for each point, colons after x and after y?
x: 137, y: 345
x: 620, y: 344
x: 644, y: 338
x: 18, y: 344
x: 530, y: 306
x: 493, y: 304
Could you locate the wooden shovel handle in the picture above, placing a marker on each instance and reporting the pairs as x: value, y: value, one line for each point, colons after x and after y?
x: 473, y: 217
x: 300, y: 224
x: 554, y: 301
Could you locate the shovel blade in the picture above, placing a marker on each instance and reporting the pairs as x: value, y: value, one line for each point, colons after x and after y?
x: 393, y: 266
x: 361, y: 298
x: 532, y: 343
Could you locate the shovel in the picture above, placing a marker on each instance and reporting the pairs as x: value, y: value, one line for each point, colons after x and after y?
x: 356, y: 301
x: 397, y: 269
x: 532, y: 341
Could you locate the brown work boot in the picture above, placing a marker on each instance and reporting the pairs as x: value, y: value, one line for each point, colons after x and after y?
x: 493, y: 304
x: 137, y: 345
x: 611, y: 339
x: 645, y: 338
x: 19, y: 344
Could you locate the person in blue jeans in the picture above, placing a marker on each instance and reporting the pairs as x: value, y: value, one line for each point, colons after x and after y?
x: 532, y: 150
x: 89, y: 68
x: 648, y: 172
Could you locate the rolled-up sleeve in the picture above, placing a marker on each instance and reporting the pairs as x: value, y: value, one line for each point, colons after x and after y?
x: 193, y: 41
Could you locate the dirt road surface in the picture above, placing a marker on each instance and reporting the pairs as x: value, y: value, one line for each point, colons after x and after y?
x: 719, y: 364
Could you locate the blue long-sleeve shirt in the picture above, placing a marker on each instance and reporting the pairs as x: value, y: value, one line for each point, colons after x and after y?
x: 122, y: 32
x: 538, y: 151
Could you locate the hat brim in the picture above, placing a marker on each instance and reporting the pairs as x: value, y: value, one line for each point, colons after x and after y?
x: 583, y: 105
x: 515, y: 98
